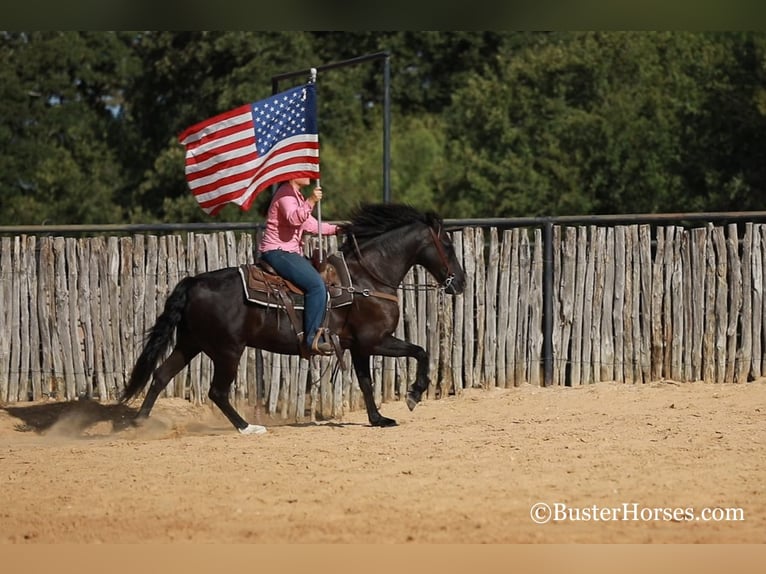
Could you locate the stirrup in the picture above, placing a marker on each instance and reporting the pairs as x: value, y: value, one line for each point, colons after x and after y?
x: 321, y: 344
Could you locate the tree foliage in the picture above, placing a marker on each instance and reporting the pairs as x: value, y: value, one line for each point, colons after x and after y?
x: 483, y: 123
x: 610, y: 123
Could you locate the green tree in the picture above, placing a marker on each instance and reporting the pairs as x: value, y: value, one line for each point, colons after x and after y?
x: 723, y: 142
x: 352, y: 172
x: 57, y: 93
x: 604, y: 123
x: 483, y: 123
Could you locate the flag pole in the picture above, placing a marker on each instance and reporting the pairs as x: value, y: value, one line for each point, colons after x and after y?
x: 318, y: 184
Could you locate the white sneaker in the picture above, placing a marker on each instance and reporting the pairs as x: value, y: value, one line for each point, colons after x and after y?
x: 253, y: 429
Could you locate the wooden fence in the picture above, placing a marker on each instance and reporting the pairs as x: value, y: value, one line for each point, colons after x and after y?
x: 631, y: 303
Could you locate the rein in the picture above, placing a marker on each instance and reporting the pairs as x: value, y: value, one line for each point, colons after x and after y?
x: 370, y: 293
x: 364, y: 266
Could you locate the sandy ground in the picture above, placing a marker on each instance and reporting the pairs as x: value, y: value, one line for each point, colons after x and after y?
x: 662, y: 462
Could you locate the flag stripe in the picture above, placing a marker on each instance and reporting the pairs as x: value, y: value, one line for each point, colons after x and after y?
x: 245, y: 197
x: 240, y: 115
x: 200, y: 160
x: 242, y: 134
x: 250, y: 171
x: 254, y: 177
x: 247, y: 171
x: 249, y: 158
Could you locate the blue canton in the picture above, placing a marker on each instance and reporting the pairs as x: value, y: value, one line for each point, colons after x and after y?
x: 281, y: 116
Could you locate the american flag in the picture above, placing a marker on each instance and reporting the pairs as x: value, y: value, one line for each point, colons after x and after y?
x: 232, y: 157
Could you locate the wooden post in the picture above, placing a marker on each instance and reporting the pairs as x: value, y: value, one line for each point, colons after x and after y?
x: 742, y: 367
x: 491, y: 314
x: 504, y: 303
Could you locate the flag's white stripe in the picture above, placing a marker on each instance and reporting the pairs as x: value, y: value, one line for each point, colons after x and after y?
x: 252, y: 184
x: 266, y: 175
x: 241, y: 199
x: 239, y: 167
x: 245, y: 118
x: 246, y: 168
x: 192, y: 168
x: 192, y: 152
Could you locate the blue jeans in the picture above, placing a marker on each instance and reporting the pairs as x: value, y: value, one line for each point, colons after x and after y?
x: 299, y: 270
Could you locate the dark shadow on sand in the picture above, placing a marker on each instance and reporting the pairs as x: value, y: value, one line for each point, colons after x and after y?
x: 329, y: 424
x: 76, y: 416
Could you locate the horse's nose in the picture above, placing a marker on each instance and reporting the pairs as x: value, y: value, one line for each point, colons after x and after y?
x: 457, y: 285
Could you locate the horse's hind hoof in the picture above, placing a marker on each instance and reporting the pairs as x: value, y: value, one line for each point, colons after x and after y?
x: 412, y: 401
x: 253, y: 429
x: 384, y: 422
x: 138, y: 421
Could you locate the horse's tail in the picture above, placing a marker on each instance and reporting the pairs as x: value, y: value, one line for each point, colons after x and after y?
x: 160, y: 336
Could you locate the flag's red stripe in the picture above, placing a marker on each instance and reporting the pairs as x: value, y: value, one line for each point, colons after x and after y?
x: 236, y: 193
x: 195, y: 158
x: 253, y: 174
x: 245, y: 128
x: 228, y: 163
x: 276, y: 179
x: 223, y: 165
x: 213, y: 206
x: 195, y: 129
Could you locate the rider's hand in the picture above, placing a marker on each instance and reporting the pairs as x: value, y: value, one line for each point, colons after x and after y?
x: 316, y: 195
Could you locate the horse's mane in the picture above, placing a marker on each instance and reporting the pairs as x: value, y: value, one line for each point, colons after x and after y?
x: 374, y: 219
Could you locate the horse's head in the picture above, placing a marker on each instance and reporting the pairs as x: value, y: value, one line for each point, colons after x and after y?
x: 393, y: 231
x: 437, y: 255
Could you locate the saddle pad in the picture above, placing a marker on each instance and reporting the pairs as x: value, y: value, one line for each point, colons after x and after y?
x: 264, y: 288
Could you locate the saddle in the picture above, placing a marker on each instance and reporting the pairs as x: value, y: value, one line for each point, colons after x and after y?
x: 264, y: 286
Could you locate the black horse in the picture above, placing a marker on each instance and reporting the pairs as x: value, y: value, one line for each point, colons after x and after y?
x: 209, y: 312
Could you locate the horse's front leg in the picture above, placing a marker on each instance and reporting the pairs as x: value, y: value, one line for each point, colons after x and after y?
x: 362, y: 369
x: 393, y: 347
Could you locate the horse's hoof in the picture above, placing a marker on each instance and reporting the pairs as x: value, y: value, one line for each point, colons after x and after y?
x: 384, y: 422
x: 253, y: 429
x: 138, y: 421
x: 412, y: 402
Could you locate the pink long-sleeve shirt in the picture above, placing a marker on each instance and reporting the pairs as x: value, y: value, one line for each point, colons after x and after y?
x: 288, y: 218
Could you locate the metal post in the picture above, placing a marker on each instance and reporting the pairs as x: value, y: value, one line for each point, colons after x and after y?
x: 313, y: 79
x: 386, y: 104
x: 387, y: 129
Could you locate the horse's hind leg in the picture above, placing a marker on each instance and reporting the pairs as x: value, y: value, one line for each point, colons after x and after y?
x: 225, y: 369
x: 163, y: 374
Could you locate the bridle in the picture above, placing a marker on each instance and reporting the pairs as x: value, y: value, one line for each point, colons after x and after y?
x: 442, y: 257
